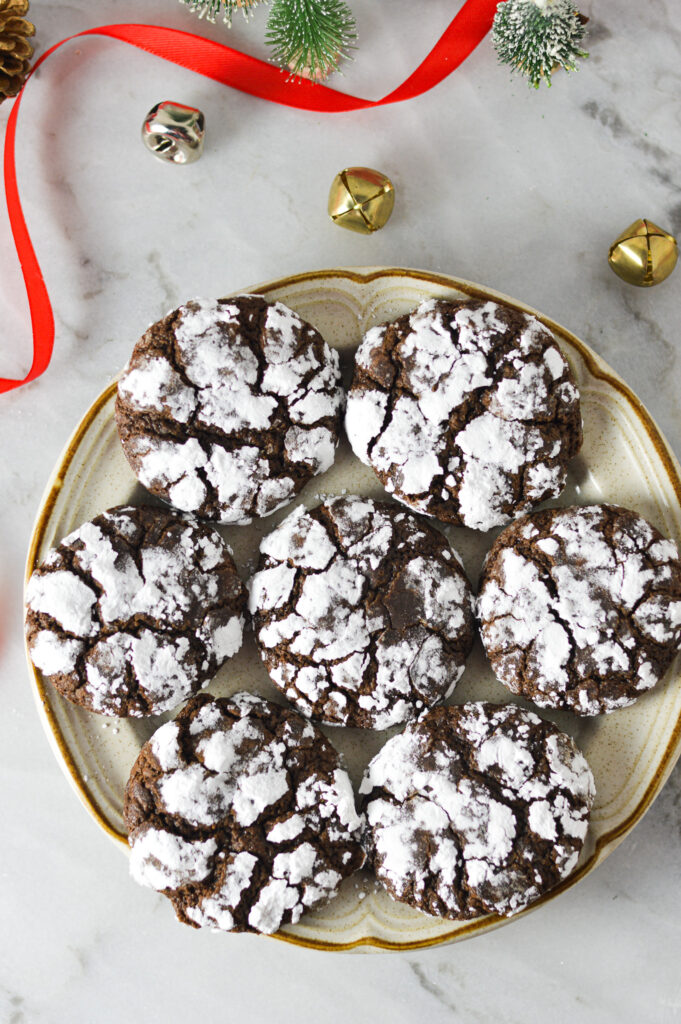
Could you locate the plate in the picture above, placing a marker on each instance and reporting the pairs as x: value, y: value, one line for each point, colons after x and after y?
x: 625, y: 459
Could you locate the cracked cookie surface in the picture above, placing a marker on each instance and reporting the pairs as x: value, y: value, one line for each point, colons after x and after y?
x: 229, y: 406
x: 466, y: 411
x: 474, y: 809
x: 580, y: 607
x: 362, y: 613
x: 240, y: 813
x: 134, y: 611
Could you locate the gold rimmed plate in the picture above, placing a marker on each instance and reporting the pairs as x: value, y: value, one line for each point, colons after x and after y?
x: 624, y: 460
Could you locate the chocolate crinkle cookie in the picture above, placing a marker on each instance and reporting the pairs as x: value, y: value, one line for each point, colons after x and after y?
x: 476, y: 809
x: 229, y: 406
x: 363, y: 615
x: 466, y: 411
x: 240, y: 813
x: 580, y: 608
x: 135, y: 611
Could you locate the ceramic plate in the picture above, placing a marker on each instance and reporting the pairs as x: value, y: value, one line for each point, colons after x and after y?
x: 624, y: 459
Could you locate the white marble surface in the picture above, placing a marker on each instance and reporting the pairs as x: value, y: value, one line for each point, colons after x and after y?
x: 495, y: 183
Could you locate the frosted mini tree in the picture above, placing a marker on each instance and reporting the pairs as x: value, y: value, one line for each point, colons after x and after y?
x: 210, y: 9
x: 308, y: 37
x: 537, y: 36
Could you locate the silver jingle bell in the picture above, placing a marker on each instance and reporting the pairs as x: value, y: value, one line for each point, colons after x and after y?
x: 174, y: 132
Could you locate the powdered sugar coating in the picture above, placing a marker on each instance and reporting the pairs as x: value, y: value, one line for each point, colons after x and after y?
x: 476, y: 809
x: 467, y: 412
x: 134, y: 611
x: 240, y: 812
x: 581, y: 607
x: 228, y: 407
x: 361, y: 614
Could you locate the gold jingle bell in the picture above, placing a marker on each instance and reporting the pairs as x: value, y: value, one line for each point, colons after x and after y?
x: 644, y: 254
x: 361, y: 199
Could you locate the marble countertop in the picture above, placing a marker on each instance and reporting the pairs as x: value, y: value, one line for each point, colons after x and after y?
x: 518, y: 190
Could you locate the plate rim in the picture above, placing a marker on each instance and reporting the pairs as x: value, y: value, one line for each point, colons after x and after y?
x: 599, y: 369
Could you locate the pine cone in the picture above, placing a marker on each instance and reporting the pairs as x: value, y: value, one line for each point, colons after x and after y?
x: 15, y: 49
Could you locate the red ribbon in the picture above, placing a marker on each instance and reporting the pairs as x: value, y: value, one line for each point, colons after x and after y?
x: 240, y: 71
